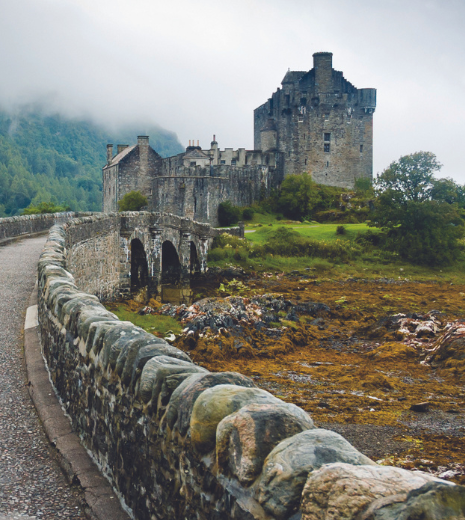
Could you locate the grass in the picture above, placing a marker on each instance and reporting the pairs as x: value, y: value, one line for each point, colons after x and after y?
x: 370, y: 263
x: 154, y: 323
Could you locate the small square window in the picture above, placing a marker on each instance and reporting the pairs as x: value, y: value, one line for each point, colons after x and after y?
x: 193, y: 163
x: 301, y: 119
x: 327, y: 147
x: 326, y: 116
x: 233, y: 162
x: 327, y: 137
x: 223, y: 162
x: 361, y: 148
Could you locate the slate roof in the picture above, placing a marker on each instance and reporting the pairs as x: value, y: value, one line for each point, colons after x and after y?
x: 293, y: 75
x: 117, y: 158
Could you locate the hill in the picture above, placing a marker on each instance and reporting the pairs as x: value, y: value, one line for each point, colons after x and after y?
x: 52, y: 158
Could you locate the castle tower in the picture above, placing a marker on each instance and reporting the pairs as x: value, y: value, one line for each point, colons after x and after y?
x: 322, y: 124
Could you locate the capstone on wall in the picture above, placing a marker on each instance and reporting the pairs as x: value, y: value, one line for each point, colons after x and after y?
x: 321, y: 124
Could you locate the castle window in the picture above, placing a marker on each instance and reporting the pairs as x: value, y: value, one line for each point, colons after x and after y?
x: 193, y: 163
x: 326, y: 117
x: 289, y: 154
x: 301, y: 119
x: 305, y: 135
x: 222, y: 162
x: 361, y: 148
x: 327, y: 165
x: 303, y: 101
x: 233, y: 162
x: 305, y: 161
x: 327, y: 146
x: 327, y: 137
x: 288, y: 99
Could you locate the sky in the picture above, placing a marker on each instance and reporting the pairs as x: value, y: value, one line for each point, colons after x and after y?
x: 200, y: 67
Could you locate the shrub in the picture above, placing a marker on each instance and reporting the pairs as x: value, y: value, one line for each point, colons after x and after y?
x: 248, y: 213
x: 228, y: 214
x: 132, y: 201
x: 44, y: 207
x: 341, y: 230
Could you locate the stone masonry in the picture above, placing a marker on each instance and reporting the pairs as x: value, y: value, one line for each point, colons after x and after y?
x: 177, y: 441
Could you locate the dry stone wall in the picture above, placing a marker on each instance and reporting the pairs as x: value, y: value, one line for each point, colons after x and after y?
x: 177, y: 441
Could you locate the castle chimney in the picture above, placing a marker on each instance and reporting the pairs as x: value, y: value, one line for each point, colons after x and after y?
x: 197, y: 142
x: 189, y: 142
x: 121, y: 147
x: 109, y: 153
x: 143, y: 140
x: 323, y: 65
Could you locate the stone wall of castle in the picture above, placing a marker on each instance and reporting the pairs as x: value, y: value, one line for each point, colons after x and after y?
x: 177, y: 441
x: 196, y: 192
x: 322, y: 124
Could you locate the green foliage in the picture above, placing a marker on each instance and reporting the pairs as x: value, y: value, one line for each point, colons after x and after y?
x: 363, y: 185
x: 340, y: 230
x: 153, y: 323
x: 132, y: 201
x: 419, y: 214
x: 51, y: 159
x: 44, y: 207
x: 228, y: 214
x: 248, y: 213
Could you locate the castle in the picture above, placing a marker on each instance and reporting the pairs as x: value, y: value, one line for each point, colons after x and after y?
x: 317, y: 122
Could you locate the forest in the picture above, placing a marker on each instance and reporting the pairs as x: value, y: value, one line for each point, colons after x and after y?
x: 50, y: 158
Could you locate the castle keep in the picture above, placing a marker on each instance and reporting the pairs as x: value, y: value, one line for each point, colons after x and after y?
x: 320, y: 123
x: 317, y: 122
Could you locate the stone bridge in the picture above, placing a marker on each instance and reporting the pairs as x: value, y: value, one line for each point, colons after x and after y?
x: 119, y: 253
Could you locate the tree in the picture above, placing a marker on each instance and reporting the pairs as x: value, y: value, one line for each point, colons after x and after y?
x: 298, y: 196
x: 417, y: 212
x: 228, y: 214
x: 44, y: 207
x: 132, y: 201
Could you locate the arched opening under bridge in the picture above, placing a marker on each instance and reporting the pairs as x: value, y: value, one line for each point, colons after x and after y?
x: 139, y: 267
x: 170, y: 264
x: 194, y: 263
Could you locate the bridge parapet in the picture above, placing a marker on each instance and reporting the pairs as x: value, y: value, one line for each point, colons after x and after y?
x: 177, y: 441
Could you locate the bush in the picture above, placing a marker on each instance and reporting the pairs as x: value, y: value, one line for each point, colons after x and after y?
x: 248, y: 213
x: 228, y: 214
x: 341, y: 230
x: 44, y: 207
x: 132, y: 201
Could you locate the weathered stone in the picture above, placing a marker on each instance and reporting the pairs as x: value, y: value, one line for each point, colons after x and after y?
x: 112, y: 345
x: 286, y: 468
x: 84, y: 326
x: 183, y: 399
x: 433, y: 501
x: 148, y: 352
x: 345, y: 491
x: 420, y: 407
x: 157, y: 369
x: 170, y: 384
x: 129, y: 352
x: 97, y: 331
x: 245, y: 438
x: 214, y: 404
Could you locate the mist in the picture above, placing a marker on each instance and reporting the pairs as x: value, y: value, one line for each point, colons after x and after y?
x: 200, y: 68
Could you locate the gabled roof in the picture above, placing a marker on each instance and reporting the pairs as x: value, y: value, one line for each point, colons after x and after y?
x: 292, y: 76
x: 196, y: 154
x: 117, y: 158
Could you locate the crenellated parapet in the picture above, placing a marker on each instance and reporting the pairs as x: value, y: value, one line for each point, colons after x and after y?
x: 178, y: 441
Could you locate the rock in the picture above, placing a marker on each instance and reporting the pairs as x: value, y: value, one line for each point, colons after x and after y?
x: 157, y: 369
x: 246, y: 437
x: 287, y: 467
x: 114, y: 339
x: 214, y: 404
x: 182, y: 401
x: 346, y: 491
x: 420, y: 407
x: 128, y: 354
x: 433, y: 501
x: 148, y: 352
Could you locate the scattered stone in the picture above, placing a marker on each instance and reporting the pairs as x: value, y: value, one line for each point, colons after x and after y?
x: 420, y: 407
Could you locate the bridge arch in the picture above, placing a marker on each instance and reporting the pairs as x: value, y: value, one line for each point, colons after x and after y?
x: 194, y: 263
x: 139, y: 265
x: 170, y: 263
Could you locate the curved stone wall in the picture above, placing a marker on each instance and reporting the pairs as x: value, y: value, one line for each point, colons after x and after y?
x: 29, y: 224
x: 179, y: 442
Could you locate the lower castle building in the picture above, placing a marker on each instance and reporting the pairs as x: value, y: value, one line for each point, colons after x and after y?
x: 317, y: 122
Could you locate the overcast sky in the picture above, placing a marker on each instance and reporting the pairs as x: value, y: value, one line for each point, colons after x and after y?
x: 199, y: 67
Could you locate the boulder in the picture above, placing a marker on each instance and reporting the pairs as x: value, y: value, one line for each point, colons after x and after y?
x: 287, y: 467
x: 246, y: 437
x: 433, y: 501
x: 157, y: 369
x: 184, y: 397
x: 215, y: 404
x: 356, y: 492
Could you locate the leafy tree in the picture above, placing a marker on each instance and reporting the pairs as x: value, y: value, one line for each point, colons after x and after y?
x: 44, y: 207
x: 132, y: 201
x: 420, y: 218
x: 298, y: 196
x: 228, y: 214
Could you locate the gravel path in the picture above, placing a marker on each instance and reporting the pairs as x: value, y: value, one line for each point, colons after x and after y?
x: 31, y: 482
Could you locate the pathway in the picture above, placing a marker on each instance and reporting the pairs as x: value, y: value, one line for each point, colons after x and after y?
x: 32, y: 486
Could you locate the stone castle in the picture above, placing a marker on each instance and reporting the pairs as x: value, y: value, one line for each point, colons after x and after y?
x: 316, y: 122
